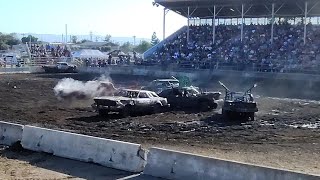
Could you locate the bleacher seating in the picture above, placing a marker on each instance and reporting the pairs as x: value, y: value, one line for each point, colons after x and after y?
x: 40, y: 50
x: 287, y: 53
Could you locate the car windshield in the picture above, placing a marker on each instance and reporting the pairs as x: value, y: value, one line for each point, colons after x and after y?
x: 193, y: 91
x: 129, y: 94
x: 174, y: 83
x: 143, y: 95
x: 153, y: 94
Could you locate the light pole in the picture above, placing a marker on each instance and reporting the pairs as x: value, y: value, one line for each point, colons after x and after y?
x: 134, y: 40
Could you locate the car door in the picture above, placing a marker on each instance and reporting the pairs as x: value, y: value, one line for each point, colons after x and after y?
x: 176, y: 97
x: 143, y: 100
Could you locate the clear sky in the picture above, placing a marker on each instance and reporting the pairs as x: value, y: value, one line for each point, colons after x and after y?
x: 119, y: 18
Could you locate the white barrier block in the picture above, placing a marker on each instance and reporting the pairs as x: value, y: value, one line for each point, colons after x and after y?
x: 109, y: 153
x: 177, y: 165
x: 10, y: 133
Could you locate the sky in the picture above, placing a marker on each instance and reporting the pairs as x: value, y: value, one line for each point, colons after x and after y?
x: 119, y: 18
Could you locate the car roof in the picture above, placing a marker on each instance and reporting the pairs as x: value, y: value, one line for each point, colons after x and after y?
x: 136, y: 90
x: 165, y: 80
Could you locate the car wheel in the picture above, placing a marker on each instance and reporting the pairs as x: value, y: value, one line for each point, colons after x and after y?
x: 157, y: 108
x: 204, y: 106
x: 103, y: 112
x: 251, y: 116
x: 227, y: 115
x: 126, y: 111
x: 214, y: 106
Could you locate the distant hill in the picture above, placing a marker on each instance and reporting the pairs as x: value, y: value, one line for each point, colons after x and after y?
x: 96, y: 38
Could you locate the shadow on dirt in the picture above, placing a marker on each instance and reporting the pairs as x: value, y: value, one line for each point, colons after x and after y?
x: 89, y: 119
x: 76, y: 76
x: 218, y: 120
x: 97, y: 118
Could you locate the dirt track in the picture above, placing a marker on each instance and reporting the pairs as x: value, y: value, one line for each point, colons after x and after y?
x: 279, y: 137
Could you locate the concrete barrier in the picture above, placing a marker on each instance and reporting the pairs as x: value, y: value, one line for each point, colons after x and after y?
x: 109, y: 153
x: 177, y: 165
x: 10, y: 133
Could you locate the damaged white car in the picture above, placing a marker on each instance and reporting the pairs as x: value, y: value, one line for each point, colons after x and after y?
x: 128, y: 102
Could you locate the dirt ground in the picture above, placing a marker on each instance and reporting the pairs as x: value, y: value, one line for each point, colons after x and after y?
x: 285, y: 134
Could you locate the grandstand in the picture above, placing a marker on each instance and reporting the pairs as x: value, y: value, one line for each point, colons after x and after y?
x: 250, y: 35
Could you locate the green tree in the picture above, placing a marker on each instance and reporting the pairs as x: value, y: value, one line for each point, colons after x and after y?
x: 85, y: 40
x: 107, y: 38
x: 27, y: 39
x: 105, y: 48
x: 154, y: 39
x: 7, y: 41
x: 142, y: 47
x: 3, y: 46
x: 74, y: 39
x: 126, y: 47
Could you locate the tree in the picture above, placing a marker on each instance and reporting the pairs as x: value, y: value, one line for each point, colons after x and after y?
x: 85, y: 40
x: 107, y: 38
x: 3, y: 46
x: 126, y: 47
x: 27, y: 39
x: 12, y: 41
x: 7, y: 41
x: 74, y: 39
x: 105, y: 48
x: 154, y: 39
x: 142, y: 47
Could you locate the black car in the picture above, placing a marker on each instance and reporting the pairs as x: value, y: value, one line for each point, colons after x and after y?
x: 239, y: 105
x: 190, y: 97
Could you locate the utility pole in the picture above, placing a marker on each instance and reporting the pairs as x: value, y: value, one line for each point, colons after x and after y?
x: 90, y: 35
x: 134, y: 40
x: 66, y: 33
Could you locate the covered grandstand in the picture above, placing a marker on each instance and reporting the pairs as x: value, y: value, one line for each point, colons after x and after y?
x: 263, y: 35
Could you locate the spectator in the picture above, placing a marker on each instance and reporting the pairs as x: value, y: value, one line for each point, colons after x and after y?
x: 286, y: 53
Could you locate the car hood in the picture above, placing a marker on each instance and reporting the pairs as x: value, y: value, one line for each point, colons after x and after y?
x: 214, y: 95
x: 114, y: 98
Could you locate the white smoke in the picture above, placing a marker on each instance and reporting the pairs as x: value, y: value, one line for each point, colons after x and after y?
x: 69, y: 88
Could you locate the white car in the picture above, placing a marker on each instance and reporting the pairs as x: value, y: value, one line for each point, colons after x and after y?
x: 128, y: 102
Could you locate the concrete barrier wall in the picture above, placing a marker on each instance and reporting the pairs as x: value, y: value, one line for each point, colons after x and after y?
x: 14, y: 70
x: 177, y: 165
x: 10, y: 133
x: 194, y: 73
x: 109, y: 153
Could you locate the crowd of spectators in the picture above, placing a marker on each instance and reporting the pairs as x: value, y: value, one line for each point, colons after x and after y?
x: 40, y: 50
x: 287, y: 52
x: 100, y: 62
x: 114, y: 58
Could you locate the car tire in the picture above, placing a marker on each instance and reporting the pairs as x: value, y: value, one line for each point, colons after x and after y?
x: 251, y: 116
x: 214, y: 106
x: 103, y: 112
x: 126, y: 111
x: 204, y: 106
x: 157, y: 108
x: 227, y: 115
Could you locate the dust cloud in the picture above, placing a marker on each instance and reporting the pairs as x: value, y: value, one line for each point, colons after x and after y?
x: 71, y: 89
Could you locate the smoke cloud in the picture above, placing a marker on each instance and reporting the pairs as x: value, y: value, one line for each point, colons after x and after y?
x: 70, y: 89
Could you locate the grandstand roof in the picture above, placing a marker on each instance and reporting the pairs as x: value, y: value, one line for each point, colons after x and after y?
x: 232, y: 8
